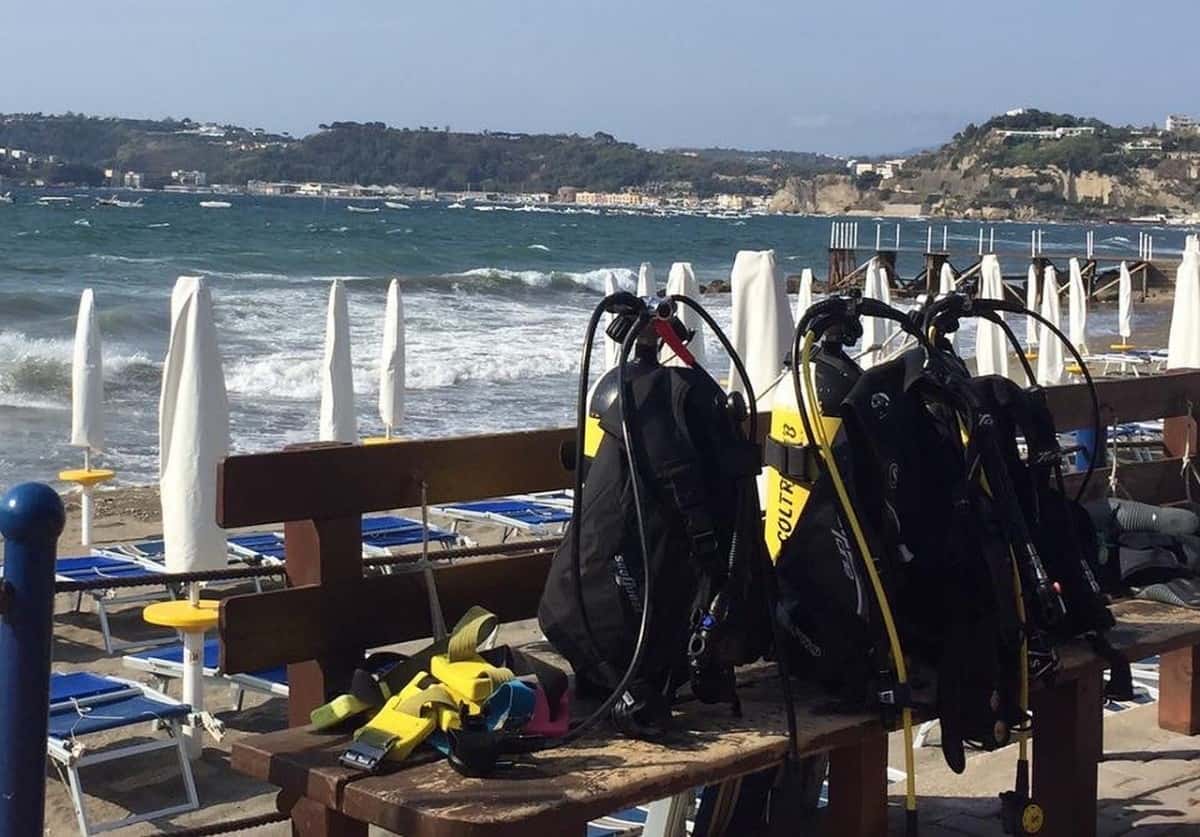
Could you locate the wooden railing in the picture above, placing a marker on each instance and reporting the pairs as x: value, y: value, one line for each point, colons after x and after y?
x: 330, y: 614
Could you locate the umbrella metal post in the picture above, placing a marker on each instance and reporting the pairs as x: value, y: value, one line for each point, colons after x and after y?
x: 31, y: 519
x: 193, y: 679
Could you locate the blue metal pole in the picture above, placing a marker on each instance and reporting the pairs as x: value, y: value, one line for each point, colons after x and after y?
x: 31, y: 519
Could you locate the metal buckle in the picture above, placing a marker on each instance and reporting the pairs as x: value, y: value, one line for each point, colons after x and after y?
x: 368, y: 751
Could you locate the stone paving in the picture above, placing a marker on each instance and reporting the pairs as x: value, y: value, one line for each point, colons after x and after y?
x: 1149, y: 784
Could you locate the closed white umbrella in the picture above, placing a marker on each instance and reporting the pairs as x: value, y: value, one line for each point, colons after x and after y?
x: 193, y: 437
x: 1031, y: 301
x: 193, y: 432
x: 1077, y: 308
x: 946, y: 280
x: 804, y: 294
x: 945, y: 287
x: 991, y: 347
x: 762, y: 319
x: 1124, y: 307
x: 612, y: 351
x: 1050, y: 352
x: 681, y: 281
x: 337, y: 421
x: 1183, y: 344
x: 645, y: 284
x: 875, y: 330
x: 87, y: 408
x: 391, y: 362
x: 87, y: 379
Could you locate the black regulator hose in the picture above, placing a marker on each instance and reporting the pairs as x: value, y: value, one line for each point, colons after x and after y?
x: 959, y: 305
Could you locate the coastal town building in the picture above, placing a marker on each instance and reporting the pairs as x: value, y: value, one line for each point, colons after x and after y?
x: 132, y: 180
x: 1050, y: 133
x: 1144, y: 144
x: 189, y: 178
x: 1178, y: 123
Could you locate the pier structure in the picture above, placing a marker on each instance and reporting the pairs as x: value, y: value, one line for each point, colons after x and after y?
x: 1098, y: 269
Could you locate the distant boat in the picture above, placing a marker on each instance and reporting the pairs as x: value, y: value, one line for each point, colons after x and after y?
x: 457, y: 205
x: 53, y: 200
x: 215, y: 204
x: 6, y: 197
x: 395, y: 205
x: 362, y: 209
x: 115, y: 201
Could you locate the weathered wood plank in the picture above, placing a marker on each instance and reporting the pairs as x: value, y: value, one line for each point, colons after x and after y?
x: 342, y: 617
x: 1179, y: 691
x: 1125, y: 399
x: 1158, y: 482
x: 312, y: 550
x: 858, y: 787
x: 600, y: 776
x: 339, y: 481
x: 1068, y: 738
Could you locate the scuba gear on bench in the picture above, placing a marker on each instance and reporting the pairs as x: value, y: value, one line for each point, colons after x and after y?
x: 893, y: 460
x: 1043, y: 523
x: 665, y: 528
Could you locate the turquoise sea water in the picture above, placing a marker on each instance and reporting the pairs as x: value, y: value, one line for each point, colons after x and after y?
x: 496, y: 301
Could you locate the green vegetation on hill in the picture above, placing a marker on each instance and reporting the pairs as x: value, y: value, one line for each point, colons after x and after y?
x: 373, y: 153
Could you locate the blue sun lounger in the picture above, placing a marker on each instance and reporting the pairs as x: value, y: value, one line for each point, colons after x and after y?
x: 524, y: 515
x: 102, y: 565
x: 82, y: 704
x: 382, y: 534
x: 166, y: 664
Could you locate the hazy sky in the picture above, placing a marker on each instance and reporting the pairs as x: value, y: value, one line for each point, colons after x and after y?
x: 827, y: 76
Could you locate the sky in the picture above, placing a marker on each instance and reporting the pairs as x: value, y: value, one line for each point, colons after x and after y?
x: 864, y: 77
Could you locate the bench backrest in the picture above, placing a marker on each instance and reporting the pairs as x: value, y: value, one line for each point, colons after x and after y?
x: 329, y: 614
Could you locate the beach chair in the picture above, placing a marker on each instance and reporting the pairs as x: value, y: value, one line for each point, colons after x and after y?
x: 82, y: 704
x: 384, y: 534
x: 101, y: 565
x: 165, y: 664
x: 518, y: 515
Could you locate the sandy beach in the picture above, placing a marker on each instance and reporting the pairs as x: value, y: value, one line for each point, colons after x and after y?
x: 115, y: 789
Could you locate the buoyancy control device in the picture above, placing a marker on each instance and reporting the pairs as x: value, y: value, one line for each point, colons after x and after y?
x: 1050, y: 535
x: 662, y: 577
x: 896, y: 585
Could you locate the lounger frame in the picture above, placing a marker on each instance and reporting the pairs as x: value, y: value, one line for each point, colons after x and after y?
x: 70, y: 759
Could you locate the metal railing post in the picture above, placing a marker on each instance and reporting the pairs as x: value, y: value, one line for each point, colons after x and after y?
x: 31, y: 519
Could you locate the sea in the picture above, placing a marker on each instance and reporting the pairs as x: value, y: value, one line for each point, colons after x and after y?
x: 496, y: 300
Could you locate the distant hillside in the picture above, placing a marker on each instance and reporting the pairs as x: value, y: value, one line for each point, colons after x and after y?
x: 373, y: 153
x: 1026, y: 164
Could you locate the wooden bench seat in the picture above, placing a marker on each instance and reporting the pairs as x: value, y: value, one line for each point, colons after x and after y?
x: 330, y: 614
x: 559, y: 791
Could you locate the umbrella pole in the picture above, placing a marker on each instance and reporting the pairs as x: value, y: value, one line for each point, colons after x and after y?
x: 193, y: 681
x: 85, y: 503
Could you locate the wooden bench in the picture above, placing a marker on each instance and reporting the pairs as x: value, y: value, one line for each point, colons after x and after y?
x: 329, y: 615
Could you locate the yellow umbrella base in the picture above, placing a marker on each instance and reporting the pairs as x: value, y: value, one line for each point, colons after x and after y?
x: 184, y: 615
x: 381, y: 440
x: 87, y: 476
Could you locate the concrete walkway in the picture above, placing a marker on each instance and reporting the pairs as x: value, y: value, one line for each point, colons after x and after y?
x: 1149, y: 784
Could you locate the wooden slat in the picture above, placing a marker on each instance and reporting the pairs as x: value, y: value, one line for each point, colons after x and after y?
x: 1068, y: 738
x: 313, y: 549
x: 339, y: 481
x: 1157, y: 483
x: 337, y: 618
x: 564, y: 787
x: 1179, y: 691
x: 1125, y: 399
